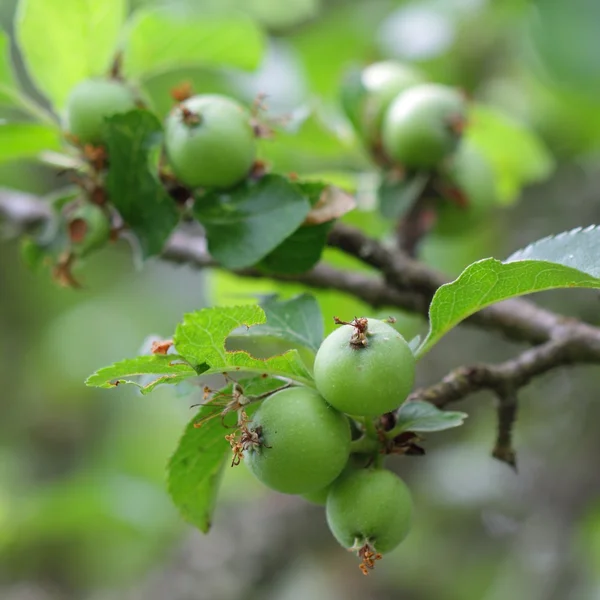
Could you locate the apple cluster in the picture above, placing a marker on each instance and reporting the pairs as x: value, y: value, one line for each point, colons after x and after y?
x: 209, y: 143
x: 410, y: 125
x: 300, y: 439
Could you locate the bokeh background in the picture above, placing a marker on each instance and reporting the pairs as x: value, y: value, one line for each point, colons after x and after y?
x: 84, y: 512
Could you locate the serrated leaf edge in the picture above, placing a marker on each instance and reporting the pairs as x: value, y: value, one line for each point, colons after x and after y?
x: 514, y: 257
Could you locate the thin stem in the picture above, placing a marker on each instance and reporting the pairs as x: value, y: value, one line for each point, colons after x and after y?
x: 364, y: 445
x: 368, y: 427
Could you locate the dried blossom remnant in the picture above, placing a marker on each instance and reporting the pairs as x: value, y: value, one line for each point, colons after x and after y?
x: 95, y: 156
x: 359, y: 336
x: 367, y: 554
x: 189, y: 117
x: 406, y: 443
x: 182, y: 92
x: 62, y: 271
x: 229, y: 403
x: 258, y: 170
x: 161, y: 346
x: 77, y: 229
x: 236, y: 401
x: 244, y: 439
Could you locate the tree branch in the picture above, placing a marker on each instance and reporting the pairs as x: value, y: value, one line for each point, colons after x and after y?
x: 504, y: 380
x: 190, y: 249
x: 406, y: 284
x: 506, y: 377
x: 517, y: 319
x: 507, y: 408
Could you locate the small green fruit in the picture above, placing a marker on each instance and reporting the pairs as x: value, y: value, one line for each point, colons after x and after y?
x: 366, y: 98
x: 368, y: 376
x: 423, y: 125
x: 473, y: 174
x: 384, y: 81
x: 88, y: 228
x: 92, y: 101
x: 371, y: 507
x: 305, y: 443
x: 210, y: 142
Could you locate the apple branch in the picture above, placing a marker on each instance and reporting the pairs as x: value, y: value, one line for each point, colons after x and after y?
x: 409, y: 285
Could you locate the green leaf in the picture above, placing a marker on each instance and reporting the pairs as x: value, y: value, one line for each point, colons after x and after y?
x: 133, y: 141
x: 578, y: 248
x: 9, y: 89
x: 200, y: 339
x: 26, y: 140
x: 298, y: 320
x: 300, y: 252
x: 422, y: 416
x: 168, y: 368
x: 163, y: 39
x: 64, y: 42
x: 244, y: 225
x: 196, y: 469
x: 567, y: 260
x: 516, y: 155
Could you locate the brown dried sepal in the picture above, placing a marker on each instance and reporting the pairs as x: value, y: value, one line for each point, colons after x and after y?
x: 161, y: 346
x: 189, y: 117
x: 228, y: 402
x: 359, y: 336
x: 98, y: 196
x: 244, y: 439
x: 258, y: 170
x: 62, y: 271
x: 182, y: 91
x: 96, y: 156
x: 78, y: 229
x: 405, y: 443
x: 262, y: 130
x: 368, y: 556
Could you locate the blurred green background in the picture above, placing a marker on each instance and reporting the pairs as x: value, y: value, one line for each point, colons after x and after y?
x: 84, y: 512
